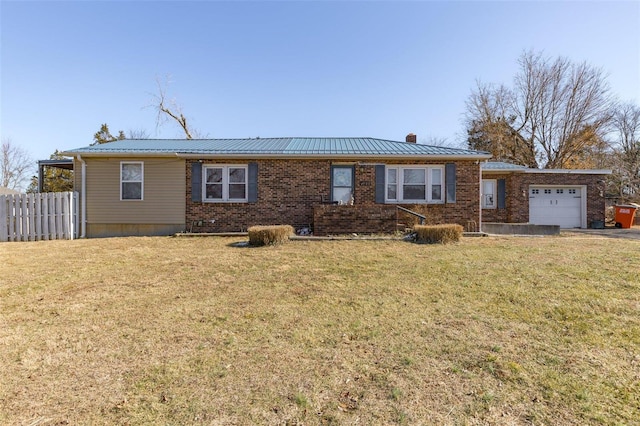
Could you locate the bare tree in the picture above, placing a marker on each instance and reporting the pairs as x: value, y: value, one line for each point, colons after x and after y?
x: 138, y: 134
x: 15, y: 165
x: 435, y: 141
x: 168, y: 109
x: 625, y: 163
x: 490, y: 124
x: 556, y: 110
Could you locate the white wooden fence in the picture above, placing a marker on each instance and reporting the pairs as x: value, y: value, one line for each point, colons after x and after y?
x: 44, y: 216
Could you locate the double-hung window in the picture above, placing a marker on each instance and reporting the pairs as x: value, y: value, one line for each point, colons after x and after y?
x: 342, y: 184
x: 131, y: 180
x: 435, y: 178
x: 225, y: 183
x: 414, y: 184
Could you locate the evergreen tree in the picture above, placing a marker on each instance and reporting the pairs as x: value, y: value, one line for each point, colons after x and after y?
x: 54, y: 178
x: 104, y: 135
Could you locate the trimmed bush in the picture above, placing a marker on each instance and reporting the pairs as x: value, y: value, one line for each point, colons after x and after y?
x: 443, y: 234
x: 269, y: 235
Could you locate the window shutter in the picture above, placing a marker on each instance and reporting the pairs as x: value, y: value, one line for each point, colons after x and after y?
x: 252, y: 190
x: 380, y: 170
x: 196, y: 181
x: 502, y: 193
x: 450, y: 182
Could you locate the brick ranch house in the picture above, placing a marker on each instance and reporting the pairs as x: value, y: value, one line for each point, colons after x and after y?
x: 324, y: 185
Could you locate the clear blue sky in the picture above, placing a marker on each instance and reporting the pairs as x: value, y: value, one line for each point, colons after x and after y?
x: 297, y: 68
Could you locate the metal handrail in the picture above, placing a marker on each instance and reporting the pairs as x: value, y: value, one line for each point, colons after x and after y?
x: 418, y: 215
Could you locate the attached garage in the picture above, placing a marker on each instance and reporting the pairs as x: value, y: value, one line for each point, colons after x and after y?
x: 570, y: 198
x: 558, y: 205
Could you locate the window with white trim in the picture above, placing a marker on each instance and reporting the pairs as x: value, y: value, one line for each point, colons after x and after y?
x: 489, y: 199
x: 224, y: 183
x: 131, y: 180
x: 414, y: 184
x: 436, y: 184
x: 342, y: 184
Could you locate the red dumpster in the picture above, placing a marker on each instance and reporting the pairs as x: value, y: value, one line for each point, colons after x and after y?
x: 625, y: 214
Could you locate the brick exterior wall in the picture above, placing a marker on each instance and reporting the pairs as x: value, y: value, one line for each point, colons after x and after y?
x: 287, y: 192
x: 517, y: 195
x: 290, y: 191
x: 513, y: 199
x: 362, y: 219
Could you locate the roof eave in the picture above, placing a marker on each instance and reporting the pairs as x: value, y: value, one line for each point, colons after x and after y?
x: 495, y: 171
x: 118, y: 154
x: 352, y: 157
x: 571, y: 171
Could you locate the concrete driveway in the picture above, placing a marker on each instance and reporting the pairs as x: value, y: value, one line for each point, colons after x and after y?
x: 632, y: 233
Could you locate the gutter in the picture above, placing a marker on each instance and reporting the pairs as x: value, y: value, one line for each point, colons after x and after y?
x: 280, y: 155
x: 570, y: 171
x: 349, y: 157
x: 137, y: 154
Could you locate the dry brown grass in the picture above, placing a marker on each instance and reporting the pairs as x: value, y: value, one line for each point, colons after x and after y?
x: 196, y: 331
x: 438, y: 234
x: 268, y: 235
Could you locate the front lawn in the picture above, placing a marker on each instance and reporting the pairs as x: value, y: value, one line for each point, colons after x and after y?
x: 198, y: 331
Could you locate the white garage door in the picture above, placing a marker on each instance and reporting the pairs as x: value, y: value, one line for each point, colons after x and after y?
x: 555, y: 206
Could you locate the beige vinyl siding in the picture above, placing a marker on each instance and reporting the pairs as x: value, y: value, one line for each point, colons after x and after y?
x: 164, y: 192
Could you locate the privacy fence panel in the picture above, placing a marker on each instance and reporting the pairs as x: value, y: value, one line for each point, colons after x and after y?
x: 35, y: 217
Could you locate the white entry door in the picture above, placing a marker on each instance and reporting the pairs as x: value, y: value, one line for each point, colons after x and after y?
x: 555, y: 206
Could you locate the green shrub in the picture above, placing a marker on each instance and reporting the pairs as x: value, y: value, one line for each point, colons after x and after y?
x: 269, y: 235
x: 443, y: 234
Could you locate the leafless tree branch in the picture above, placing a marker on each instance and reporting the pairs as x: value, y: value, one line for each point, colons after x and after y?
x: 169, y: 109
x: 15, y: 165
x: 559, y: 109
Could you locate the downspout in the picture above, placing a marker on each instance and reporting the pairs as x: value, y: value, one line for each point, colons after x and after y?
x: 83, y: 198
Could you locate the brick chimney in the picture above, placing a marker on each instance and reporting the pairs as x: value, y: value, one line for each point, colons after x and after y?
x: 411, y: 138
